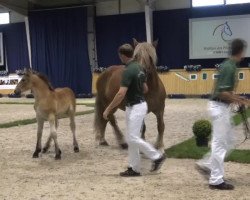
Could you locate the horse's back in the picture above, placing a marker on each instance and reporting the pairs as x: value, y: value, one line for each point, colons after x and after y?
x: 108, y: 82
x: 107, y: 74
x: 64, y: 92
x: 65, y: 96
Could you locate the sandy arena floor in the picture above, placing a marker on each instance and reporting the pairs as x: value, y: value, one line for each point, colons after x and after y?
x: 93, y: 173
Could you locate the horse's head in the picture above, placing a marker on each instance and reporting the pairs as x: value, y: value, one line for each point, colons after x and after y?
x: 145, y: 54
x: 227, y: 29
x: 25, y: 83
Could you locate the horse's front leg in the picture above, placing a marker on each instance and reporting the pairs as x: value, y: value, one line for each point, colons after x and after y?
x: 47, y: 144
x: 40, y: 123
x: 53, y: 135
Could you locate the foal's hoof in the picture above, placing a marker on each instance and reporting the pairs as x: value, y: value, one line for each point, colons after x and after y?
x: 76, y: 149
x: 104, y: 143
x: 36, y: 153
x: 124, y: 146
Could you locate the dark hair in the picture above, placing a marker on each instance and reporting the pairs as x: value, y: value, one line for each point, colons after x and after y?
x: 126, y: 50
x: 238, y: 46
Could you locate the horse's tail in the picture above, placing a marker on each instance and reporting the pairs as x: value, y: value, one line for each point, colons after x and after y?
x: 102, y: 100
x: 72, y: 101
x: 98, y: 113
x: 99, y: 121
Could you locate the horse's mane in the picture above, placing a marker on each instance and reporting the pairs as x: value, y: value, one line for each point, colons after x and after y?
x: 45, y: 80
x: 145, y: 54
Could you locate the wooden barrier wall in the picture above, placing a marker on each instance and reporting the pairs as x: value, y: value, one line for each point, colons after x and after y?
x: 179, y: 81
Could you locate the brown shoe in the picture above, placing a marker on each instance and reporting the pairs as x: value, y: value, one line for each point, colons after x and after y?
x: 204, y: 171
x: 222, y: 186
x: 156, y: 165
x: 129, y: 172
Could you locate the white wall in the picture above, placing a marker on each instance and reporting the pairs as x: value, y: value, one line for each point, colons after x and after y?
x: 135, y: 6
x: 107, y: 8
x: 16, y: 17
x: 172, y: 4
x: 131, y: 6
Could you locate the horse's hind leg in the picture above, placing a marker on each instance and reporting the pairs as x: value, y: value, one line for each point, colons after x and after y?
x: 53, y: 135
x: 73, y: 130
x: 100, y: 134
x: 161, y: 127
x: 47, y: 144
x: 118, y: 132
x: 40, y: 123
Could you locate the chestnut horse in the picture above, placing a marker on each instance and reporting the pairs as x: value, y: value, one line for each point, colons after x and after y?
x: 49, y: 105
x: 108, y: 85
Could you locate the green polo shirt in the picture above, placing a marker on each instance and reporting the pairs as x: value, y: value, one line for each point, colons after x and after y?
x: 227, y: 77
x: 133, y: 78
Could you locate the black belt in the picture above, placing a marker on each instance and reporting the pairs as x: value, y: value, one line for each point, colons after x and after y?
x: 134, y: 103
x: 219, y: 100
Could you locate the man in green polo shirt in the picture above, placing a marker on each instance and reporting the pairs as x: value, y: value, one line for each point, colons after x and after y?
x: 223, y: 135
x: 132, y: 88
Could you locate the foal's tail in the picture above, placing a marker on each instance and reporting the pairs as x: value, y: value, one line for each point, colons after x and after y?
x: 73, y: 101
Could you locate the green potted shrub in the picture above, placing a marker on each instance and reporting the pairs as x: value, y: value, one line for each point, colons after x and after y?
x: 202, y: 130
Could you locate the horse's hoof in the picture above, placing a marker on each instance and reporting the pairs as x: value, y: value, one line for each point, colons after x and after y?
x: 58, y: 157
x: 35, y: 155
x: 104, y: 143
x: 160, y: 148
x: 45, y: 150
x: 76, y: 149
x: 124, y: 146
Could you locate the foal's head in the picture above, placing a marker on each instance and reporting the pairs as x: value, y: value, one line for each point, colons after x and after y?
x: 25, y: 83
x: 29, y: 78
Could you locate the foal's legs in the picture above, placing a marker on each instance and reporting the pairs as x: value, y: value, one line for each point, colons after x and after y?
x: 161, y: 127
x: 40, y: 123
x: 118, y: 132
x: 52, y: 123
x: 47, y: 144
x: 73, y: 129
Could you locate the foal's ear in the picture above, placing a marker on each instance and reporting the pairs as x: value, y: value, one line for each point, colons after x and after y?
x: 135, y: 42
x: 155, y: 43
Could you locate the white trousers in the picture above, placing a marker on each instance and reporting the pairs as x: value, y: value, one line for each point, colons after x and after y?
x: 134, y: 117
x: 223, y: 140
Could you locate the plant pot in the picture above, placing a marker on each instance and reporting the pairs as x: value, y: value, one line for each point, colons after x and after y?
x: 201, y: 141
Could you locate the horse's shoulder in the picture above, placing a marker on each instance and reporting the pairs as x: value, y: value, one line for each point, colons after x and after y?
x: 62, y: 89
x: 116, y: 67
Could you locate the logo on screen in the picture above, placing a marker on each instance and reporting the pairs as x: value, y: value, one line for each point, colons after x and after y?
x: 224, y: 30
